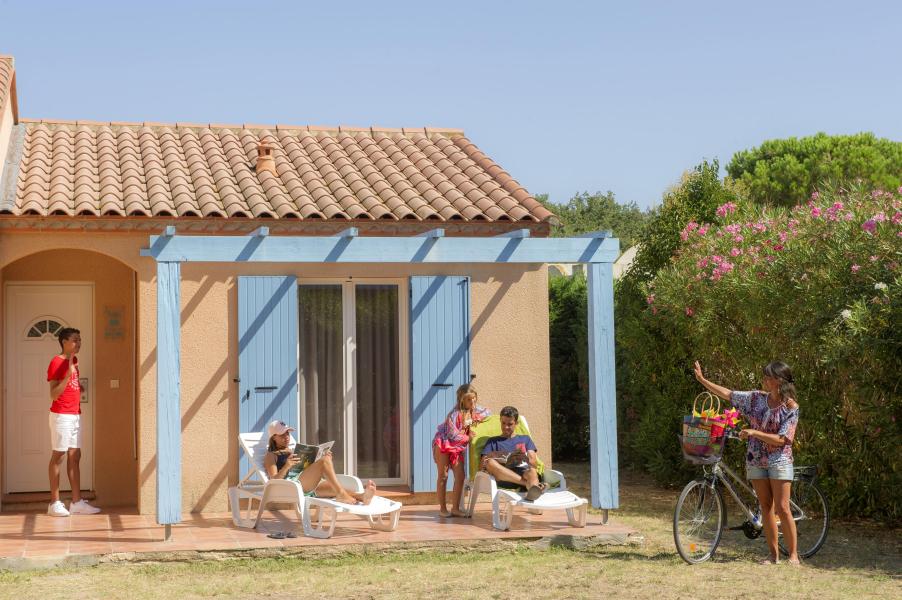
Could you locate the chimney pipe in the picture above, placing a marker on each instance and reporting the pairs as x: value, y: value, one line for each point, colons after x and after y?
x: 266, y: 161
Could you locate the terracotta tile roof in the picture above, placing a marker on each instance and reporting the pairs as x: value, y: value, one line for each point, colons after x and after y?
x: 131, y: 169
x: 7, y: 73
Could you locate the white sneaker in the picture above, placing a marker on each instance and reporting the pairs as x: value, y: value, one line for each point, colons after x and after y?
x: 57, y: 509
x: 82, y: 508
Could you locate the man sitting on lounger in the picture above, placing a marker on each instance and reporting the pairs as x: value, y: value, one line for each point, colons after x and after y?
x: 512, y: 458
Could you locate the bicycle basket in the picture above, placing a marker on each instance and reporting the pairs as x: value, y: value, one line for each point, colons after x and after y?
x: 701, y: 454
x: 808, y: 473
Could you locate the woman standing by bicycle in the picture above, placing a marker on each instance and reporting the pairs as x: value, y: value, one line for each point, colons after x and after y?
x: 772, y: 415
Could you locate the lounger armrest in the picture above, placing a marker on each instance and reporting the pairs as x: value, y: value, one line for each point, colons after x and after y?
x: 555, y: 480
x: 351, y: 483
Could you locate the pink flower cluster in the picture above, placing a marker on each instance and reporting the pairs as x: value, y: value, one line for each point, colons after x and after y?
x: 726, y: 209
x: 693, y: 226
x: 721, y: 267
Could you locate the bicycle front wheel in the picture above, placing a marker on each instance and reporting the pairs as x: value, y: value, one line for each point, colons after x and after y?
x: 812, y: 517
x: 698, y: 521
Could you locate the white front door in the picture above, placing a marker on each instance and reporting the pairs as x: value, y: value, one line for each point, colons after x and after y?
x: 34, y: 312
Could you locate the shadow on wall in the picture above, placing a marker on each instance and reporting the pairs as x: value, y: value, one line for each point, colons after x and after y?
x: 218, y: 483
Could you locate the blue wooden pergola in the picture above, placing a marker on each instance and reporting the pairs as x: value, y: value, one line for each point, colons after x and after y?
x: 597, y: 251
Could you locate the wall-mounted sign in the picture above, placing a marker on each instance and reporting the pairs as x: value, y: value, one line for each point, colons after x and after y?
x: 113, y: 322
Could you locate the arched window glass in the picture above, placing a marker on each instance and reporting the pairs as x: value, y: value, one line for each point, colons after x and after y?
x: 44, y: 327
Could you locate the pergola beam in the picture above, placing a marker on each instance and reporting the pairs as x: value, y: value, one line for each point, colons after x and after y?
x: 350, y: 232
x: 415, y: 249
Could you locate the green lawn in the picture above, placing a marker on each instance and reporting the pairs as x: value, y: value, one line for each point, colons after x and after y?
x: 860, y: 560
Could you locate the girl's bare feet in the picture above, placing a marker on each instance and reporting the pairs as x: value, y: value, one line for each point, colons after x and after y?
x: 444, y: 512
x: 369, y: 491
x: 457, y: 513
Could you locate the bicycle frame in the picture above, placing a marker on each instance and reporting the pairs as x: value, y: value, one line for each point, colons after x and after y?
x: 726, y: 475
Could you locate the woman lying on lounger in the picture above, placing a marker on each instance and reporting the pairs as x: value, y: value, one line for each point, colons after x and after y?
x: 280, y: 458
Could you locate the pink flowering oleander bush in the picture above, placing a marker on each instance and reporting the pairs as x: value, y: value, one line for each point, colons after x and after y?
x: 818, y: 286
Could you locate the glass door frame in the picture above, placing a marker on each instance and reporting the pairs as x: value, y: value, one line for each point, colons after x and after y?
x: 349, y: 371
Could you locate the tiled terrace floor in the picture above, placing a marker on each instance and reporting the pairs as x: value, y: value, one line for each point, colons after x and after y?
x: 39, y: 536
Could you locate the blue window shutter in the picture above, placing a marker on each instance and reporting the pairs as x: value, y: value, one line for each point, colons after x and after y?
x: 267, y: 353
x: 440, y: 362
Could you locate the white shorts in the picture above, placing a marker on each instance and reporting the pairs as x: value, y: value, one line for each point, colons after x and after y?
x: 65, y: 432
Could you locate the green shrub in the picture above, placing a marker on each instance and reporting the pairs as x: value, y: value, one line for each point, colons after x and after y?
x: 650, y: 354
x: 818, y: 286
x: 569, y: 347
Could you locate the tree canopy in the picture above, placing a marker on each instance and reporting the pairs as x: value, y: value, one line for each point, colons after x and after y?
x: 785, y: 172
x: 596, y: 212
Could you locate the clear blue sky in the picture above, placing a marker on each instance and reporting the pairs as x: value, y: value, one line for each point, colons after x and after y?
x: 567, y: 97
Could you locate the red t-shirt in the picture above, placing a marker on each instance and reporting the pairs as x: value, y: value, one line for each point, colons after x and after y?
x: 69, y: 402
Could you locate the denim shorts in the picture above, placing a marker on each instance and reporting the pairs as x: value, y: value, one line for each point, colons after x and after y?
x: 782, y: 472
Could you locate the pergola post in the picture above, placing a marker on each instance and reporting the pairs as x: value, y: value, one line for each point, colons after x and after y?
x: 169, y: 432
x: 602, y: 386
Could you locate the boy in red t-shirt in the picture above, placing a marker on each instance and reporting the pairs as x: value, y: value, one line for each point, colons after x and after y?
x: 65, y: 432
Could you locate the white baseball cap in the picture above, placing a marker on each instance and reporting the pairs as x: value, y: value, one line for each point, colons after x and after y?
x: 278, y: 428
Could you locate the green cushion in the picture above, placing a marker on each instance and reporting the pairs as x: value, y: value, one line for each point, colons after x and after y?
x: 490, y: 428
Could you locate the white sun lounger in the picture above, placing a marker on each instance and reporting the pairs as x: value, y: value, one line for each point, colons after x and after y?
x: 381, y: 513
x: 504, y: 500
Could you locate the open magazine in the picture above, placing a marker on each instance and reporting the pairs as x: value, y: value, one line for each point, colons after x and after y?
x: 515, y: 459
x: 308, y: 454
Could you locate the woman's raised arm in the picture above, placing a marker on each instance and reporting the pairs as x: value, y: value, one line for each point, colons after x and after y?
x: 717, y: 390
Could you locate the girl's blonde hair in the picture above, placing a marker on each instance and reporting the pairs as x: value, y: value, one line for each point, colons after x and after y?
x: 465, y: 390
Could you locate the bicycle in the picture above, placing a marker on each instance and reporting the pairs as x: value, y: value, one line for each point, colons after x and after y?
x: 700, y: 516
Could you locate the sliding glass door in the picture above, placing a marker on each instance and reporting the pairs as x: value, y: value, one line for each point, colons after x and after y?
x: 350, y: 369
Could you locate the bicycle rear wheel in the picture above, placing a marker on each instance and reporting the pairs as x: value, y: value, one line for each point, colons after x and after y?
x: 812, y: 517
x: 698, y: 521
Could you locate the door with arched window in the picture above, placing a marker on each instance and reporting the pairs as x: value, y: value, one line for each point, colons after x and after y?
x: 34, y: 314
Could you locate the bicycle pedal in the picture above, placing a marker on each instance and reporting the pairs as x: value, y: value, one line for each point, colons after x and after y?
x: 737, y: 528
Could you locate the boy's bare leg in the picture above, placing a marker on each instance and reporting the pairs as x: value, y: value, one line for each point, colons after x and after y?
x: 53, y: 471
x: 529, y: 478
x: 73, y: 469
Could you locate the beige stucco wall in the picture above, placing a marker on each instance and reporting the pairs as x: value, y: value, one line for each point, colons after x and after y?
x: 510, y: 354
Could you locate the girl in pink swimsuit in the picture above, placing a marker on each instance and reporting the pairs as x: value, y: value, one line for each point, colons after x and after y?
x: 450, y: 445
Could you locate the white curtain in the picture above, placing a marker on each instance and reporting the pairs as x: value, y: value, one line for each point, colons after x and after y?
x: 321, y: 384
